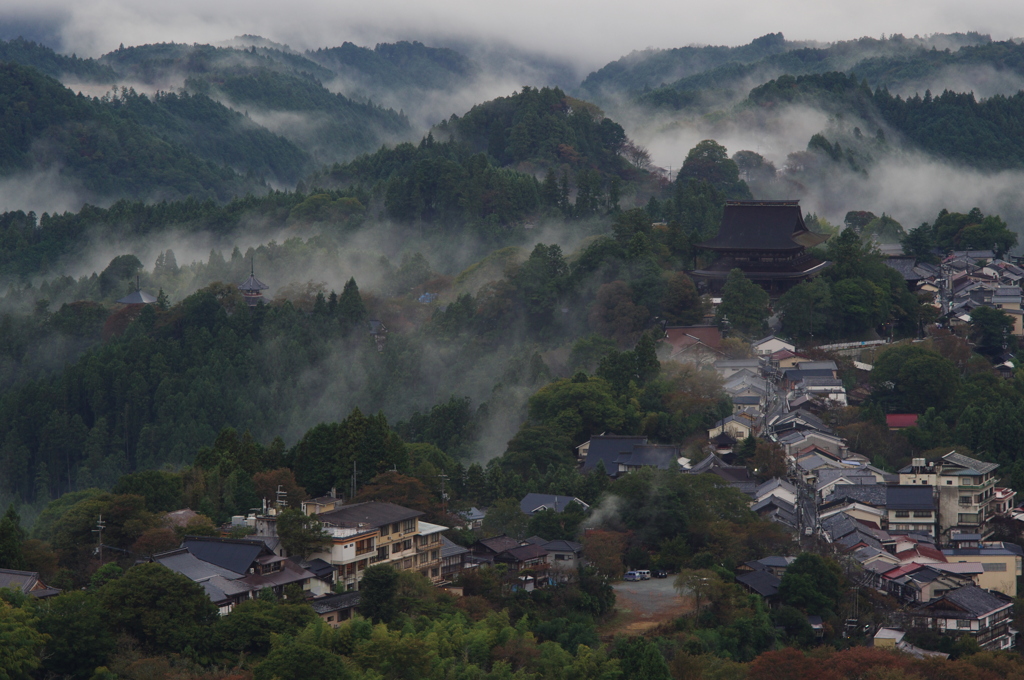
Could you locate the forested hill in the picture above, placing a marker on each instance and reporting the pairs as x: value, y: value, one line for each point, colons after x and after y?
x: 398, y: 65
x: 703, y: 78
x: 988, y: 133
x: 58, y: 66
x: 543, y: 127
x: 44, y: 125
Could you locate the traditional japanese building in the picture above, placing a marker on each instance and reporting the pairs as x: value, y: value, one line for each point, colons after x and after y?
x: 768, y: 241
x: 137, y: 296
x: 253, y: 288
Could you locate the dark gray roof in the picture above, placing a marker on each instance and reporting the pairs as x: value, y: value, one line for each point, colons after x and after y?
x: 367, y: 514
x: 906, y: 497
x: 220, y: 589
x: 18, y: 580
x: 763, y: 225
x: 858, y: 537
x: 334, y: 603
x: 497, y: 544
x: 450, y: 548
x: 187, y: 564
x: 978, y: 466
x: 321, y: 568
x: 650, y: 455
x: 905, y: 266
x: 839, y: 525
x: 560, y: 545
x: 874, y: 495
x: 536, y: 502
x: 233, y: 554
x: 137, y: 297
x: 971, y: 600
x: 606, y: 448
x: 252, y: 284
x: 772, y: 502
x: 763, y: 583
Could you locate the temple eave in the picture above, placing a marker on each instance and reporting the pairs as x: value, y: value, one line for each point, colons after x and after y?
x: 764, y: 275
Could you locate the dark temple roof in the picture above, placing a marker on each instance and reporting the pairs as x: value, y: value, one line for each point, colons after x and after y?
x: 763, y: 225
x: 253, y: 284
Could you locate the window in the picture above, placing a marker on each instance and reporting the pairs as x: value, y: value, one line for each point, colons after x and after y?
x: 949, y: 482
x: 434, y: 572
x: 903, y: 513
x: 329, y: 619
x: 409, y: 525
x: 435, y: 554
x: 394, y: 528
x: 385, y: 530
x: 407, y: 544
x: 382, y: 552
x: 963, y: 624
x: 966, y: 500
x: 993, y: 566
x: 922, y: 513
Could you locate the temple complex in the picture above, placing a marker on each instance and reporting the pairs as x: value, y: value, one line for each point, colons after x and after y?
x: 768, y: 241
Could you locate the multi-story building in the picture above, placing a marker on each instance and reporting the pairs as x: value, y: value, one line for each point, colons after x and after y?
x: 965, y: 488
x: 970, y: 610
x: 911, y: 508
x: 371, y: 533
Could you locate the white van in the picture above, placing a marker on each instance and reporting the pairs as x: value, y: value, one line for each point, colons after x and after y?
x: 644, y: 574
x: 632, y: 576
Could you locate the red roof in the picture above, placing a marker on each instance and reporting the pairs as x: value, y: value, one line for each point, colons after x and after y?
x: 901, y: 420
x: 681, y: 337
x: 921, y: 551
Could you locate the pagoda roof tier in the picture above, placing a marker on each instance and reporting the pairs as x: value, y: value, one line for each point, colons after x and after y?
x: 137, y: 297
x: 763, y: 226
x: 253, y: 284
x: 764, y: 271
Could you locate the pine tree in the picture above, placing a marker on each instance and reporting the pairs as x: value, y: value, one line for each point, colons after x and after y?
x: 12, y: 536
x: 351, y: 309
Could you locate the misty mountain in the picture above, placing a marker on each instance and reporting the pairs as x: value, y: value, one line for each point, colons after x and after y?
x: 987, y: 133
x: 706, y: 78
x: 397, y: 65
x: 44, y: 126
x: 59, y: 66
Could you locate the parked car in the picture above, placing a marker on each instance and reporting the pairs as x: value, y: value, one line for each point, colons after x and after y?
x: 632, y: 576
x: 660, y: 574
x: 645, y: 574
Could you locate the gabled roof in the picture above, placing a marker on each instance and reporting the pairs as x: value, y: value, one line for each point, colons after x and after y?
x: 972, y: 464
x: 606, y: 448
x: 764, y: 583
x: 560, y: 545
x: 967, y: 602
x: 681, y: 337
x: 772, y: 485
x: 536, y: 502
x: 497, y: 544
x: 763, y: 225
x: 233, y: 554
x: 450, y: 548
x: 769, y: 502
x: 522, y: 553
x: 18, y: 580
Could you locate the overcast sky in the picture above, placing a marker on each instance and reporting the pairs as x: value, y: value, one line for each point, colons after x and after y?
x: 588, y: 33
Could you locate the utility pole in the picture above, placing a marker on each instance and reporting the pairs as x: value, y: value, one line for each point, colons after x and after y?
x: 100, y: 526
x: 444, y: 496
x: 354, y: 473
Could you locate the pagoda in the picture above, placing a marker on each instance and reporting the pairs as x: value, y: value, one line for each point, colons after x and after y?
x: 253, y: 288
x: 137, y: 296
x: 768, y: 241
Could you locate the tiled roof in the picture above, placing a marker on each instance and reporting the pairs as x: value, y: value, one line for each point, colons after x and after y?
x: 763, y: 583
x: 536, y: 502
x: 606, y: 448
x: 234, y: 555
x: 333, y: 603
x: 905, y: 497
